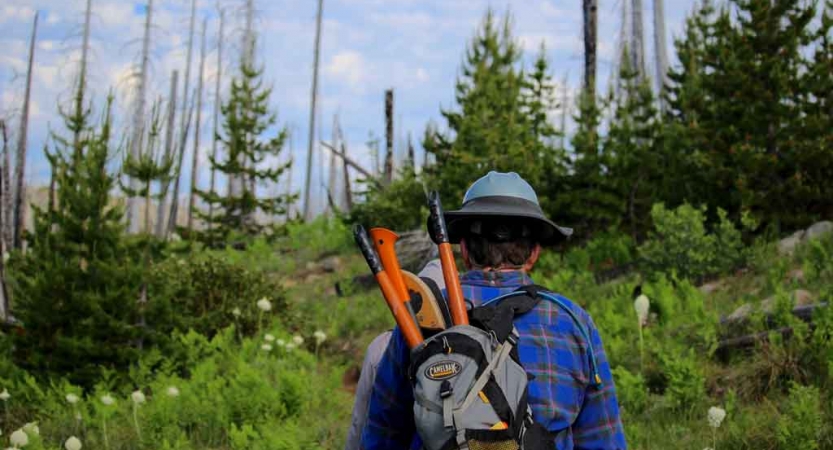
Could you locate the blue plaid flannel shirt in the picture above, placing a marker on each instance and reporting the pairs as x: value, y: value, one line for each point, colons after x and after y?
x: 581, y: 416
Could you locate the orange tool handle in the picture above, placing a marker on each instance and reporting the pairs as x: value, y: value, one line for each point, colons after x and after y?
x: 396, y: 303
x: 403, y: 317
x: 384, y: 240
x: 439, y: 234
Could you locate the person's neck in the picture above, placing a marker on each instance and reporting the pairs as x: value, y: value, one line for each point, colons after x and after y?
x: 500, y: 269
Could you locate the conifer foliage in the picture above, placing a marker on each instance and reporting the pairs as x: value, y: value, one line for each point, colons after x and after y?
x: 248, y: 157
x: 75, y: 287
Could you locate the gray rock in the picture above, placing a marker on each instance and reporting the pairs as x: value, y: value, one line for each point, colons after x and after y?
x: 799, y: 297
x: 331, y: 264
x: 787, y: 245
x: 818, y: 230
x: 796, y: 276
x: 741, y: 313
x: 708, y: 288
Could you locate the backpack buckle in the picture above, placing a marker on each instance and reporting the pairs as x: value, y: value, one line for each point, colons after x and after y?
x: 446, y: 389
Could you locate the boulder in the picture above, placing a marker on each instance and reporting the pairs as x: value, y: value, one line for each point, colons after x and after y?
x: 741, y: 313
x: 331, y: 264
x: 818, y: 230
x: 799, y: 297
x: 787, y: 245
x: 708, y: 288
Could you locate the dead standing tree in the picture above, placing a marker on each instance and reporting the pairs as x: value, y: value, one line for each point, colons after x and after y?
x: 217, y: 102
x: 169, y: 149
x: 389, y: 135
x: 184, y: 122
x: 590, y: 13
x: 660, y: 50
x: 312, y: 111
x: 139, y: 119
x: 20, y: 161
x: 195, y: 155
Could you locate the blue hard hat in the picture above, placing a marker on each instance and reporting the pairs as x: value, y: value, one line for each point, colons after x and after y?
x: 503, y: 195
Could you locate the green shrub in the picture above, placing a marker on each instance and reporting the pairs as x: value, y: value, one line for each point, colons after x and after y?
x: 685, y: 379
x: 400, y: 206
x: 322, y: 235
x: 681, y: 244
x: 800, y: 424
x: 610, y: 249
x: 631, y: 390
x: 202, y: 292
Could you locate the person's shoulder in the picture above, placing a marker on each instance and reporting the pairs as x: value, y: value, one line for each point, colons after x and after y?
x: 558, y: 303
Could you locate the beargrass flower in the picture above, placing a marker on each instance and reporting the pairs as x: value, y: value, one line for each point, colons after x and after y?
x: 107, y: 399
x: 290, y: 346
x: 266, y: 347
x: 642, y: 305
x: 32, y: 429
x: 172, y: 391
x: 72, y: 399
x: 269, y: 338
x: 19, y: 439
x: 5, y: 395
x: 264, y: 305
x: 73, y: 443
x: 319, y: 336
x: 715, y: 416
x: 236, y: 312
x: 297, y: 339
x: 280, y: 343
x: 138, y: 397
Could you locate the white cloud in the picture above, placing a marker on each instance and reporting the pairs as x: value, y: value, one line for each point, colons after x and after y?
x: 347, y: 66
x: 422, y: 75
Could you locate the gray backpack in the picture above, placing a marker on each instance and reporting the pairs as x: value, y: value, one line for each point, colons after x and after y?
x: 470, y: 389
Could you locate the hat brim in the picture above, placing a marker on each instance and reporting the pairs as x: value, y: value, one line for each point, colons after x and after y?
x: 484, y: 208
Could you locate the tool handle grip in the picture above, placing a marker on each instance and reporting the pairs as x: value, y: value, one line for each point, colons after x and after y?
x: 384, y: 241
x: 436, y: 221
x: 366, y: 247
x: 456, y: 303
x: 403, y: 317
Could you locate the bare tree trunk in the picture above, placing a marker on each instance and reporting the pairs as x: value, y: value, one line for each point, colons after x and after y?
x: 637, y: 47
x: 20, y: 167
x: 184, y: 121
x: 348, y: 194
x: 590, y: 11
x: 660, y: 50
x: 6, y: 232
x: 172, y: 215
x: 389, y: 135
x: 4, y: 302
x: 331, y: 179
x: 82, y: 73
x: 411, y: 157
x: 312, y: 111
x: 565, y: 108
x: 139, y: 121
x: 217, y: 102
x: 195, y: 156
x: 169, y: 143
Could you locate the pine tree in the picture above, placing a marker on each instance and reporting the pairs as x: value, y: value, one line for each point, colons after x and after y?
x: 246, y: 118
x: 632, y: 148
x: 492, y: 128
x: 75, y: 286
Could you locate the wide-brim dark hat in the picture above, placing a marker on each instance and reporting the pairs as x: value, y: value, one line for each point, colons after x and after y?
x: 503, y: 195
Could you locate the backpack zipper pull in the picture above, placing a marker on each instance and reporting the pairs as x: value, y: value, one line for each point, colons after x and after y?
x: 446, y: 345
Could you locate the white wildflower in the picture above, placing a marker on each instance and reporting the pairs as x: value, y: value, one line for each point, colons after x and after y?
x: 6, y: 257
x: 138, y: 397
x: 642, y: 305
x: 280, y: 343
x: 319, y: 336
x: 264, y: 305
x: 72, y: 399
x: 19, y: 439
x: 266, y: 347
x: 716, y: 416
x: 236, y: 312
x: 297, y: 339
x: 107, y: 399
x: 32, y: 429
x: 5, y: 394
x: 269, y: 338
x: 290, y: 346
x: 73, y: 443
x: 172, y: 391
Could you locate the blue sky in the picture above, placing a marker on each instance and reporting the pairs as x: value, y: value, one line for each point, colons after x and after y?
x: 412, y: 46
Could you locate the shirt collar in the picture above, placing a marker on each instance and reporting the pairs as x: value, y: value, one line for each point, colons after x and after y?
x: 494, y: 278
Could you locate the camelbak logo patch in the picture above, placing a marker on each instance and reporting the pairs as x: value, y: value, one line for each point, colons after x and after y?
x: 443, y: 370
